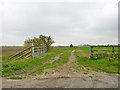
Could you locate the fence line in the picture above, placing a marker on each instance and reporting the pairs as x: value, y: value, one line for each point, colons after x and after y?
x: 112, y: 51
x: 34, y: 52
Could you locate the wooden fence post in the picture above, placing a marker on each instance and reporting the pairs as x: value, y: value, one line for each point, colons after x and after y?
x: 113, y: 50
x: 90, y: 51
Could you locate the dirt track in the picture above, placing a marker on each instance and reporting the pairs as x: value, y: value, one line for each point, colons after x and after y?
x: 68, y: 76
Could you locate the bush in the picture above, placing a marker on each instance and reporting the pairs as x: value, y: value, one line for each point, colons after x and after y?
x: 43, y: 40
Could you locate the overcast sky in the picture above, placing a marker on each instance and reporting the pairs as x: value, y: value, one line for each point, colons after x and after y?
x: 94, y: 22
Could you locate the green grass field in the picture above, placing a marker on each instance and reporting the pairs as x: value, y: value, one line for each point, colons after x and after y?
x: 23, y: 64
x: 85, y: 49
x: 106, y: 64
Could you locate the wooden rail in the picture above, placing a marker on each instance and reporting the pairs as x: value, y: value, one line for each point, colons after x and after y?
x: 30, y: 52
x: 109, y: 52
x: 21, y: 53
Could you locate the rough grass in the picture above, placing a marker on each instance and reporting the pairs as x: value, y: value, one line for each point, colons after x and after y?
x: 16, y: 78
x: 5, y: 58
x: 86, y: 49
x: 24, y: 64
x: 62, y: 60
x: 103, y: 64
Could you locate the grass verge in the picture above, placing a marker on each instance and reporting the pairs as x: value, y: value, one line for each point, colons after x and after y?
x: 103, y: 64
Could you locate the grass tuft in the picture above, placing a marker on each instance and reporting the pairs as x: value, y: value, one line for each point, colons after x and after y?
x: 16, y: 78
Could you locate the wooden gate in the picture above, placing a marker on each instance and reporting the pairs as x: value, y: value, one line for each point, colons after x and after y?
x: 107, y: 50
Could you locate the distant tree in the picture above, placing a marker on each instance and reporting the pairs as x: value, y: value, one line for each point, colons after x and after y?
x: 71, y: 45
x: 41, y: 41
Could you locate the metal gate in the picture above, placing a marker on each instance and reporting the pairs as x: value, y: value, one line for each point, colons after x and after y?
x: 38, y: 52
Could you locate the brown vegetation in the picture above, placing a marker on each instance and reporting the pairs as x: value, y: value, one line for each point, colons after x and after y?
x: 11, y: 50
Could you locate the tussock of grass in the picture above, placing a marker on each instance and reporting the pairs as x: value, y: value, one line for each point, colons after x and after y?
x: 85, y: 73
x: 91, y: 76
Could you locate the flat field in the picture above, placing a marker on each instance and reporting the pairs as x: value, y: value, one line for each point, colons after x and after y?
x: 61, y: 64
x: 11, y: 50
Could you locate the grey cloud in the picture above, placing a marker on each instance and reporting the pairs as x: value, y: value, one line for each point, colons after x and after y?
x: 65, y: 22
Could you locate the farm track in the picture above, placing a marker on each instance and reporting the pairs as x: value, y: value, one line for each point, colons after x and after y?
x: 69, y: 69
x: 55, y: 58
x: 31, y: 70
x: 68, y: 76
x: 65, y: 70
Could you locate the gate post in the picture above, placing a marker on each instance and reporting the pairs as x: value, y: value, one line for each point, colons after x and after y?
x: 113, y: 50
x: 90, y: 52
